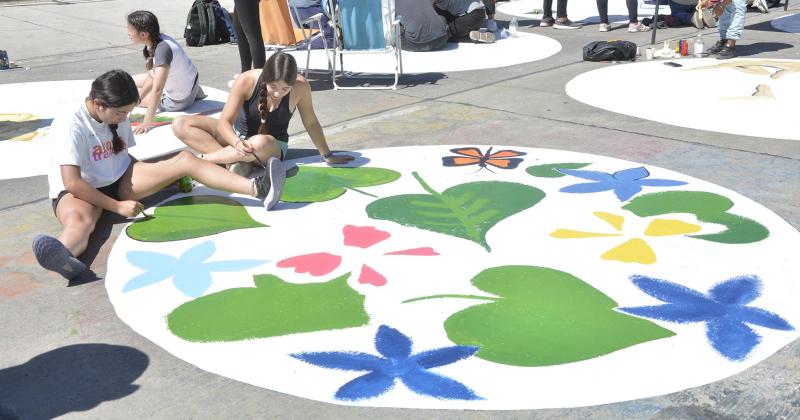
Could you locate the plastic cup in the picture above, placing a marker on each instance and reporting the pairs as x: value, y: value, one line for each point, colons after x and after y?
x: 648, y: 53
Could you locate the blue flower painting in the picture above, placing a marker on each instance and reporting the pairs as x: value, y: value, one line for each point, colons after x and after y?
x: 723, y: 310
x: 190, y: 273
x: 625, y: 183
x: 396, y: 362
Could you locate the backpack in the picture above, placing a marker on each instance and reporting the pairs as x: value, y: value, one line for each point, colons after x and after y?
x: 609, y: 51
x: 203, y: 26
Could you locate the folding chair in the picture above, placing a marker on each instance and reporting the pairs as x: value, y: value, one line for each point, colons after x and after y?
x: 364, y: 27
x: 282, y: 32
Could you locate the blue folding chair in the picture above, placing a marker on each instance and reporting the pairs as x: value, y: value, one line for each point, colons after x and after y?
x: 364, y: 27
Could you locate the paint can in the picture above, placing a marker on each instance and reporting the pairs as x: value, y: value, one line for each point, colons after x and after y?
x: 4, y: 64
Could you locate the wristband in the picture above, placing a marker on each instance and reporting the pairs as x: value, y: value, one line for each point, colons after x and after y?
x: 327, y: 155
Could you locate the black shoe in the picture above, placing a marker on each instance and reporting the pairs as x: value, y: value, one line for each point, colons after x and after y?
x: 716, y: 48
x: 727, y: 53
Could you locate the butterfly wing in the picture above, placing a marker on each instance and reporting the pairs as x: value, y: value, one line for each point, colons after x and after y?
x: 468, y: 151
x: 510, y: 163
x: 459, y: 160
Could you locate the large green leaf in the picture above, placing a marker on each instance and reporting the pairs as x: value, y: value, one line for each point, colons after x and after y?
x: 192, y: 217
x: 270, y: 309
x: 540, y: 317
x: 708, y: 207
x: 466, y: 211
x: 550, y: 170
x: 315, y: 183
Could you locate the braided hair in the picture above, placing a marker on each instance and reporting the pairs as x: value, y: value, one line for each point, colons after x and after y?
x: 279, y: 67
x: 115, y: 89
x: 144, y: 21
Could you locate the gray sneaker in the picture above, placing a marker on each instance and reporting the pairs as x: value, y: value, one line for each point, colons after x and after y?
x: 566, y: 24
x: 270, y: 186
x: 54, y: 256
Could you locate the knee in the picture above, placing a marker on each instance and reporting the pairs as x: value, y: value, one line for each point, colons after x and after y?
x: 263, y: 141
x: 180, y: 124
x: 79, y: 221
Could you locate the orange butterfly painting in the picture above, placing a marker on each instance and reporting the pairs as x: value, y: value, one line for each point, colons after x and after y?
x: 503, y: 159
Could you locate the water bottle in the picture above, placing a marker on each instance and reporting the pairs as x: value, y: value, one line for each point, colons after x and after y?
x: 512, y: 27
x: 699, y: 47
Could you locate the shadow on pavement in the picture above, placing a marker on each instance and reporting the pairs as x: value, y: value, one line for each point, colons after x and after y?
x: 68, y: 379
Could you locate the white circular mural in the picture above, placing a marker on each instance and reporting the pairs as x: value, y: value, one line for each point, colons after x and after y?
x: 521, y: 48
x: 701, y: 92
x: 469, y: 277
x: 578, y: 11
x: 25, y: 121
x: 790, y: 23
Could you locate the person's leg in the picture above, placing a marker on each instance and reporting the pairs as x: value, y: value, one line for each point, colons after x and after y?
x: 264, y: 146
x: 78, y: 219
x: 249, y: 19
x: 547, y: 9
x: 737, y: 8
x: 602, y: 9
x: 198, y: 132
x: 472, y: 21
x: 633, y: 11
x: 724, y: 21
x: 561, y: 9
x: 144, y: 82
x: 245, y: 58
x: 145, y: 179
x: 681, y: 12
x: 490, y: 8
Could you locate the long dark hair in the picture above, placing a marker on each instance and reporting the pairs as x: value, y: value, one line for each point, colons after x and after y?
x: 279, y: 66
x: 115, y: 89
x: 144, y: 21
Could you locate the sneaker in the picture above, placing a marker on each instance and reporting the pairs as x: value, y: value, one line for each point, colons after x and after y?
x: 637, y: 27
x: 604, y: 27
x: 491, y: 25
x: 566, y: 24
x: 270, y: 186
x: 761, y: 5
x: 727, y: 52
x: 54, y: 256
x: 241, y: 168
x: 716, y: 48
x: 708, y: 18
x: 479, y: 36
x: 547, y: 22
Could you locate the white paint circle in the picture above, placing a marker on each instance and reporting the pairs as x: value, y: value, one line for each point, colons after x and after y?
x: 788, y: 23
x: 701, y: 93
x: 48, y: 100
x: 462, y: 56
x: 578, y: 11
x: 649, y: 369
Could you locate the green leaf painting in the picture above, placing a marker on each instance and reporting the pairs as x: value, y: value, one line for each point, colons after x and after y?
x: 270, y: 309
x: 541, y: 317
x: 315, y: 183
x: 192, y: 217
x: 466, y: 211
x: 708, y: 207
x: 550, y: 170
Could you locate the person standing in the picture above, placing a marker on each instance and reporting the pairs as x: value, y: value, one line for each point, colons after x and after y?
x: 731, y: 24
x: 562, y: 22
x: 247, y: 24
x: 633, y: 16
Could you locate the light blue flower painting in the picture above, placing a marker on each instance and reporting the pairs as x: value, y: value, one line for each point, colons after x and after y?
x: 190, y: 273
x: 723, y: 310
x: 396, y: 362
x: 625, y: 183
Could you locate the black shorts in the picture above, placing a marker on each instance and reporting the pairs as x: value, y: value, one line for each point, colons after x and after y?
x: 111, y: 190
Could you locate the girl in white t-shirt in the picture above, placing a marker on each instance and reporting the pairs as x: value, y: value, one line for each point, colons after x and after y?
x: 171, y: 82
x: 91, y: 171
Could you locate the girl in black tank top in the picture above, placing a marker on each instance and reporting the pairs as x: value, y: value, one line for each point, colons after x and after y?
x: 247, y: 132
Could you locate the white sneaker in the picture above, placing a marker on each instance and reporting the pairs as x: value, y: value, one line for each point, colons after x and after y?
x: 637, y: 27
x: 761, y: 5
x: 604, y: 27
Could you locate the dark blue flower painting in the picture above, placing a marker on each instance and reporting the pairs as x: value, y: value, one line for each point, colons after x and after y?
x: 625, y: 183
x: 395, y: 362
x: 723, y: 310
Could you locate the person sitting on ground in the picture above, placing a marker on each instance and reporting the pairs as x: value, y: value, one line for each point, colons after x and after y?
x: 422, y: 28
x: 464, y: 19
x: 171, y: 82
x: 562, y: 22
x: 91, y: 171
x: 253, y: 127
x: 633, y: 16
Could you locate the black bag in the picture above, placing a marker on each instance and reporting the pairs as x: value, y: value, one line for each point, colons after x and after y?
x: 609, y: 51
x: 203, y: 26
